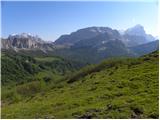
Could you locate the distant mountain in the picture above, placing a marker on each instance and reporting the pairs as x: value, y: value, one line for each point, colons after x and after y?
x: 145, y: 48
x: 86, y: 33
x: 98, y: 40
x: 137, y: 30
x: 97, y: 43
x: 133, y: 40
x: 136, y: 36
x: 95, y: 49
x: 131, y: 37
x: 25, y: 41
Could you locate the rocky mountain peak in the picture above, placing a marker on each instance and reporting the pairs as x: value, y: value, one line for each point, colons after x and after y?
x: 25, y: 41
x: 27, y: 36
x: 86, y: 33
x: 137, y: 30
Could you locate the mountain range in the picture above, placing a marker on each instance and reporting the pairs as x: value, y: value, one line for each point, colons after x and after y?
x: 92, y: 44
x: 66, y: 78
x: 131, y: 37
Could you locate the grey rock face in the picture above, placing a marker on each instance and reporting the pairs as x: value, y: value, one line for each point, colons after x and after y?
x: 86, y: 33
x: 25, y: 41
x: 131, y: 37
x: 136, y: 36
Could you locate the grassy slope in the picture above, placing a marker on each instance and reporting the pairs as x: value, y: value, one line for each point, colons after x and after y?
x: 113, y: 89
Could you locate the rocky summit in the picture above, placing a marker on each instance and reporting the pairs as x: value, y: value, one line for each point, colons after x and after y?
x: 25, y: 41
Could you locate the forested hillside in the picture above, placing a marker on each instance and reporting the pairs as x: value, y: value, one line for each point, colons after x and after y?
x: 19, y: 68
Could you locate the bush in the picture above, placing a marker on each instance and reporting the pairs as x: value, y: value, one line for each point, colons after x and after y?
x: 85, y: 71
x: 15, y: 97
x: 10, y: 95
x: 47, y: 79
x: 30, y: 89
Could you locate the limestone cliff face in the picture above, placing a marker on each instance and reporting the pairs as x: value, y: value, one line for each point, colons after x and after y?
x: 25, y: 41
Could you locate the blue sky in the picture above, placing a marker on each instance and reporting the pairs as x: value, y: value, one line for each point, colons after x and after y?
x: 51, y: 19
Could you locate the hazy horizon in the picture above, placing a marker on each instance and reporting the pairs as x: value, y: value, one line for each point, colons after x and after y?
x: 51, y: 19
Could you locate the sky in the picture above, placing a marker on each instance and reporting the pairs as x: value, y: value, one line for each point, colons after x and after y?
x: 50, y: 19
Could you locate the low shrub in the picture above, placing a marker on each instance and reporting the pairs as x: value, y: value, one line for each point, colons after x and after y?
x: 31, y: 88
